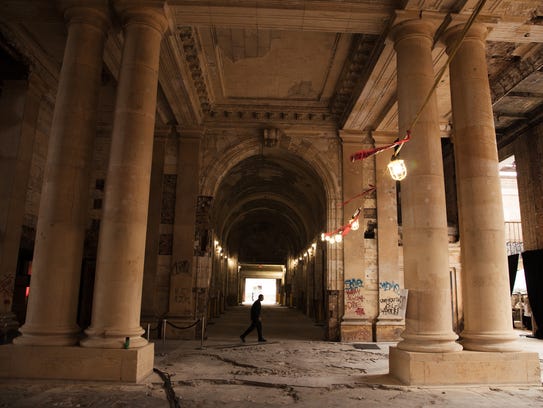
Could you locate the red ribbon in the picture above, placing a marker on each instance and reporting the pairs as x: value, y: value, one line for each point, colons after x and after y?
x: 363, y: 154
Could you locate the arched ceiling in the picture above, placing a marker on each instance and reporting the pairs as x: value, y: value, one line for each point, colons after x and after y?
x: 268, y: 207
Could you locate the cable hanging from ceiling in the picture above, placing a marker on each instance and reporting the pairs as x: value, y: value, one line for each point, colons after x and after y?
x: 397, y: 167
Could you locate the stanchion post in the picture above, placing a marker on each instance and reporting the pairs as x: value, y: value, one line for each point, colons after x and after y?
x: 164, y: 331
x: 148, y: 331
x: 203, y: 331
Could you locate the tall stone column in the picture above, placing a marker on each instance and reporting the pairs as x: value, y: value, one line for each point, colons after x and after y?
x: 121, y: 246
x: 52, y: 306
x: 360, y: 290
x: 486, y: 297
x: 390, y: 322
x: 528, y: 150
x: 182, y: 280
x: 19, y: 109
x: 424, y: 220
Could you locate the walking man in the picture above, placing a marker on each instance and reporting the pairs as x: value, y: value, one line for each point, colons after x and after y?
x: 255, y: 320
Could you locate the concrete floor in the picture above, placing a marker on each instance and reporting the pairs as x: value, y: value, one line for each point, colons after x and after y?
x: 295, y: 367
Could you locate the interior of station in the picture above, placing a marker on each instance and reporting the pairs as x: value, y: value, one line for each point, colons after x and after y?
x: 165, y: 161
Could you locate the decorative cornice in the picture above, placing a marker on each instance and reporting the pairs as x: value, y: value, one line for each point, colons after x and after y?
x: 190, y: 48
x: 238, y: 113
x: 357, y: 64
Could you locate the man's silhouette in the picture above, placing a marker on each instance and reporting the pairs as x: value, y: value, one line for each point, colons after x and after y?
x: 255, y: 320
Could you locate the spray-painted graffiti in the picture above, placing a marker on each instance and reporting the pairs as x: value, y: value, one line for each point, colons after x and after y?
x: 394, y: 305
x: 353, y: 284
x: 386, y: 285
x: 182, y: 295
x: 390, y: 306
x: 354, y: 301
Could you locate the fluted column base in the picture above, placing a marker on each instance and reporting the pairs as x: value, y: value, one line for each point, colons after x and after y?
x: 429, y: 343
x: 480, y: 341
x: 114, y: 339
x: 34, y: 335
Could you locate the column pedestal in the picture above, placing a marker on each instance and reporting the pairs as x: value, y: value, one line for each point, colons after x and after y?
x: 465, y: 367
x: 389, y: 330
x: 356, y: 330
x: 77, y: 363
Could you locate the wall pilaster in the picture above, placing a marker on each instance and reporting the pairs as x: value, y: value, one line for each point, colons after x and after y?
x: 360, y: 280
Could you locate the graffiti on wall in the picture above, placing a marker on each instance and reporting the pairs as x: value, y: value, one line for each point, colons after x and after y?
x: 351, y: 284
x: 392, y: 299
x: 354, y: 300
x: 386, y: 286
x: 182, y: 295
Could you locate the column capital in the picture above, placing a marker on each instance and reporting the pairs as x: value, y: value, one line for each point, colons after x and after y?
x: 144, y: 12
x: 349, y: 136
x: 383, y: 138
x: 478, y: 31
x: 413, y: 28
x: 190, y: 133
x: 93, y: 12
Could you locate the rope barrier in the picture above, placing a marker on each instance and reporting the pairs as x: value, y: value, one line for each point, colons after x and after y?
x: 183, y: 328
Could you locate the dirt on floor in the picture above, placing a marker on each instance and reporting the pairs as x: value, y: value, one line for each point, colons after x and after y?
x: 271, y: 374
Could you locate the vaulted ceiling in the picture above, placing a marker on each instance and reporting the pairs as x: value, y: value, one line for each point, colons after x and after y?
x: 323, y: 64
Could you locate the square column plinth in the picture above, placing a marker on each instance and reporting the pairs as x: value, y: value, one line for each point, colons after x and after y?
x: 465, y: 367
x: 76, y: 363
x: 356, y: 331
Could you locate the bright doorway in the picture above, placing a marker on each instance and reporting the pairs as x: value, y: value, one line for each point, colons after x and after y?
x: 257, y: 286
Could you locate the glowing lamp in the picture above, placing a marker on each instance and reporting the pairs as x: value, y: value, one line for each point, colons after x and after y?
x: 355, y: 224
x: 397, y: 169
x: 323, y: 237
x: 339, y: 237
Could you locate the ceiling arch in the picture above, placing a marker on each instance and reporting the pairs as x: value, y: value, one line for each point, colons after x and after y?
x: 269, y: 206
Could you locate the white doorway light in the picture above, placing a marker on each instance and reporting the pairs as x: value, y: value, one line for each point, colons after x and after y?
x: 255, y: 287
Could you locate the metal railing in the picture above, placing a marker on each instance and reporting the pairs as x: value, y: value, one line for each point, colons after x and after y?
x: 513, y: 237
x: 162, y: 324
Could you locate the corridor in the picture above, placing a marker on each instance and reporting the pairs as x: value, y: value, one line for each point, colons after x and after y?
x: 293, y: 368
x: 278, y: 322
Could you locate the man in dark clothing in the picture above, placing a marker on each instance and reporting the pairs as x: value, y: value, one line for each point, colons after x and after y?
x: 255, y: 320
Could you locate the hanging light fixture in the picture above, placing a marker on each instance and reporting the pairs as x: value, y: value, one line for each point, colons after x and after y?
x: 353, y: 222
x: 397, y: 169
x: 338, y: 237
x: 355, y: 225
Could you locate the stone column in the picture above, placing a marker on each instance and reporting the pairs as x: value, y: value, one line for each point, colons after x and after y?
x: 182, y: 281
x: 19, y: 109
x: 360, y: 293
x: 121, y: 246
x: 54, y: 287
x: 424, y: 220
x: 486, y: 297
x: 528, y: 150
x: 390, y: 323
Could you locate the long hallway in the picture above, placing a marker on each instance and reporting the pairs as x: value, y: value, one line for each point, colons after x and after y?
x: 278, y: 322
